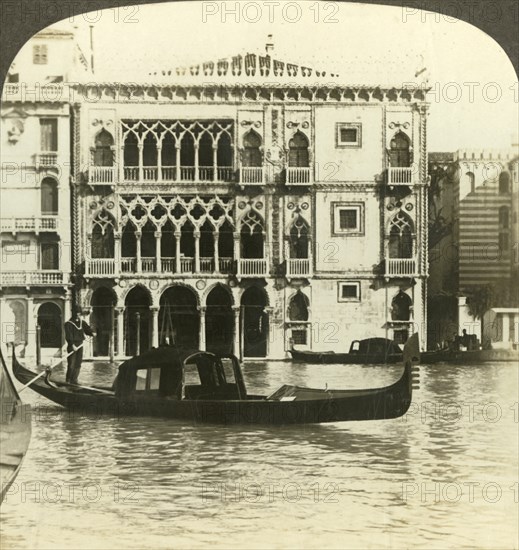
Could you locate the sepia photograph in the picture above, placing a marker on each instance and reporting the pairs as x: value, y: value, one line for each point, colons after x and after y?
x: 259, y: 275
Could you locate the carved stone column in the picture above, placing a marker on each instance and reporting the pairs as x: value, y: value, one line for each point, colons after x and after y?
x: 201, y: 333
x: 119, y: 319
x: 154, y: 326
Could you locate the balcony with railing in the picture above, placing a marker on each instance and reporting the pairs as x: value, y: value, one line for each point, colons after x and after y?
x: 36, y: 278
x: 400, y: 175
x: 298, y: 267
x: 401, y: 267
x: 178, y: 174
x: 33, y: 224
x: 108, y: 267
x: 252, y: 267
x: 252, y: 175
x: 102, y: 175
x: 298, y: 175
x: 46, y: 158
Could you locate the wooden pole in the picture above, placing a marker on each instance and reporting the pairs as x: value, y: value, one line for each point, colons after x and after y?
x: 138, y: 334
x: 38, y: 345
x: 112, y: 334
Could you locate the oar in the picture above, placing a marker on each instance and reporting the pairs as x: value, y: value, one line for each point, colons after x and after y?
x: 50, y: 368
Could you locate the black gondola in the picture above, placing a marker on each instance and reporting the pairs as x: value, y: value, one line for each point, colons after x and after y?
x: 157, y: 383
x: 363, y: 352
x: 15, y: 430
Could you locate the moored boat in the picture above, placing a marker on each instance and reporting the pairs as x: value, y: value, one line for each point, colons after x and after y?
x: 363, y: 352
x: 201, y: 386
x: 15, y: 430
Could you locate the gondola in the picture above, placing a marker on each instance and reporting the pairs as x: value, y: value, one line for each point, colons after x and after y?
x: 200, y: 386
x: 364, y: 352
x: 15, y: 430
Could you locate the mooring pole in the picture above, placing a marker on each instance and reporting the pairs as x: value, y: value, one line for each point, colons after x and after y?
x: 138, y: 334
x: 112, y: 334
x: 38, y: 345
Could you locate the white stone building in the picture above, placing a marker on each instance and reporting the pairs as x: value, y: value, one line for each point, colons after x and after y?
x: 247, y: 204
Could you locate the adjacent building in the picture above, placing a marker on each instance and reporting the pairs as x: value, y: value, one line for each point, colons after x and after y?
x: 474, y: 237
x: 242, y: 204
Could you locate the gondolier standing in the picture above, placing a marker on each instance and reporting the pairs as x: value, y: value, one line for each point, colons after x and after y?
x: 75, y: 331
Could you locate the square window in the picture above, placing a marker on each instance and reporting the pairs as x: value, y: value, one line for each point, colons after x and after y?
x: 348, y: 134
x: 39, y: 54
x: 347, y: 218
x: 299, y: 336
x: 349, y: 291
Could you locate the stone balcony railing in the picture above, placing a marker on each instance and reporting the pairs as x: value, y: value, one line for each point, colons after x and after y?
x: 46, y: 158
x: 400, y: 176
x: 298, y: 175
x: 252, y: 175
x: 168, y: 174
x: 108, y: 267
x: 401, y: 267
x: 252, y: 267
x: 33, y: 224
x: 298, y: 267
x: 28, y: 278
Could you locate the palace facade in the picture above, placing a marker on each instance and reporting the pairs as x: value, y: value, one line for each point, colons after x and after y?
x: 248, y: 205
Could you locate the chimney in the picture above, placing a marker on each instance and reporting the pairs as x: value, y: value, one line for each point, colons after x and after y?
x: 269, y: 46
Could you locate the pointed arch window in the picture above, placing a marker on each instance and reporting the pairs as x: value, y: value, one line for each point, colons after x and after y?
x: 298, y: 155
x: 103, y: 151
x: 299, y: 239
x: 401, y: 233
x: 251, y: 236
x: 399, y: 151
x: 103, y: 242
x: 251, y: 157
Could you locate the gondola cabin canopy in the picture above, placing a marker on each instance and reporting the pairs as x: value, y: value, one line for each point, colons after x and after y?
x: 180, y: 373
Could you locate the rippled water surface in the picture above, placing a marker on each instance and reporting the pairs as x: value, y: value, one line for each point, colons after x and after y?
x: 444, y: 476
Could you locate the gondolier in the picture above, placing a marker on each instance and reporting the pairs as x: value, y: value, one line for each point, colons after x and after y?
x: 75, y: 332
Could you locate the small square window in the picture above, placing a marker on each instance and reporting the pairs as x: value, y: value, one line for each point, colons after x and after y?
x: 39, y: 54
x: 299, y: 336
x: 349, y: 292
x: 348, y: 134
x: 347, y: 218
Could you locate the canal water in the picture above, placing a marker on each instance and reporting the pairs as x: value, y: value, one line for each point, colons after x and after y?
x: 443, y: 476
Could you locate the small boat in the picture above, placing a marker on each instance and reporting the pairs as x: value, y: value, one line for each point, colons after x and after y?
x: 201, y: 386
x: 469, y: 357
x: 15, y: 430
x: 364, y: 352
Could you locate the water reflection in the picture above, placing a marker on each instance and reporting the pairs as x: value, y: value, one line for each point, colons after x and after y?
x: 148, y: 482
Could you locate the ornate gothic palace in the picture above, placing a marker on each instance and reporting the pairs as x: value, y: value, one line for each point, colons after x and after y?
x: 243, y: 205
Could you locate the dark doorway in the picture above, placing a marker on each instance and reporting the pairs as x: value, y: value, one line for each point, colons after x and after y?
x: 219, y: 321
x: 254, y: 322
x: 51, y: 325
x: 179, y: 320
x: 251, y: 236
x: 103, y: 302
x: 137, y: 321
x: 251, y: 155
x: 299, y: 239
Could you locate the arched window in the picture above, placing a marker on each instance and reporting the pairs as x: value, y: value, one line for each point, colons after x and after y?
x: 102, y: 243
x: 49, y: 196
x: 401, y: 307
x: 224, y: 151
x: 299, y: 240
x: 298, y: 307
x: 103, y: 152
x: 251, y: 236
x: 399, y: 153
x: 298, y: 151
x: 471, y: 180
x: 251, y: 150
x: 128, y: 241
x: 131, y: 150
x: 504, y: 183
x: 401, y: 236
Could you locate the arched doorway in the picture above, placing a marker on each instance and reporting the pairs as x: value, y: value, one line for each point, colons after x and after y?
x: 51, y: 325
x: 254, y: 322
x: 179, y: 320
x: 401, y: 306
x: 137, y: 321
x: 399, y: 153
x: 219, y: 321
x: 18, y: 317
x: 298, y: 316
x: 103, y: 302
